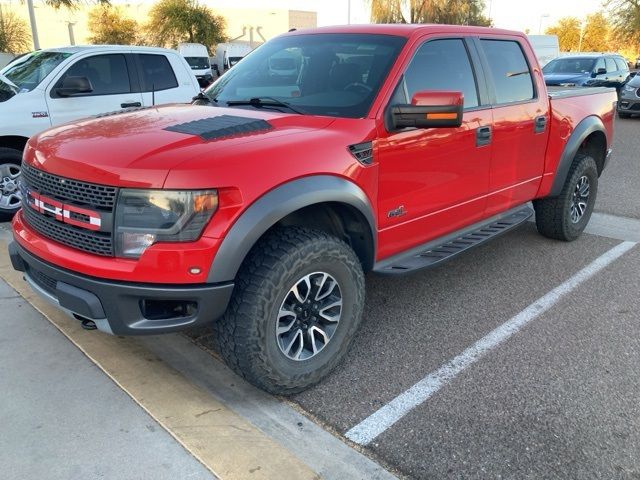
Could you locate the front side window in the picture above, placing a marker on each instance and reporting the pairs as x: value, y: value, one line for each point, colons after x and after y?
x: 442, y: 65
x: 108, y: 74
x: 337, y: 75
x: 157, y: 73
x: 28, y: 72
x: 600, y: 65
x: 611, y: 65
x: 510, y: 71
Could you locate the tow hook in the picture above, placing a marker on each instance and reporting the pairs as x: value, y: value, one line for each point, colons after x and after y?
x: 85, y: 322
x: 88, y: 324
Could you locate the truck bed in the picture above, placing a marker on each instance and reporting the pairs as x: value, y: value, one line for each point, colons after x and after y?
x: 556, y: 92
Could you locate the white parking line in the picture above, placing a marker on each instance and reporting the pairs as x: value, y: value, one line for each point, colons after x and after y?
x: 372, y: 426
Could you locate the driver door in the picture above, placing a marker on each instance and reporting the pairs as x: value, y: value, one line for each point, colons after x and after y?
x: 434, y: 181
x: 110, y: 78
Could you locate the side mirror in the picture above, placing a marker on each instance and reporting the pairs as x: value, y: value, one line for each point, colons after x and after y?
x: 600, y: 71
x: 74, y: 86
x: 430, y: 110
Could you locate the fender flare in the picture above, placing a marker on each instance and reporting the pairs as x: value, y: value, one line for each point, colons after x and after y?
x: 273, y: 207
x: 585, y: 128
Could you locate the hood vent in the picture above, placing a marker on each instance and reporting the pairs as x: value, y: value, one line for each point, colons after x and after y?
x: 362, y: 152
x: 221, y: 126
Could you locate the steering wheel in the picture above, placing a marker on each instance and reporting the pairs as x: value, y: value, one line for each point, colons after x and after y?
x: 358, y: 85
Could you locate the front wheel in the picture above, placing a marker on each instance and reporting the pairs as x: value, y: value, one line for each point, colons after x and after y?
x: 566, y: 216
x: 296, y: 307
x: 10, y: 196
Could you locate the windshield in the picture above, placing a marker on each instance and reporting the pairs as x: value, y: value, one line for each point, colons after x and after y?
x: 570, y: 65
x: 198, y: 63
x: 336, y: 75
x: 28, y: 72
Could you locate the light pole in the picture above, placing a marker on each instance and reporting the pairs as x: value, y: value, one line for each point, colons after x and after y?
x: 34, y: 28
x: 581, y: 36
x: 348, y: 12
x: 544, y: 15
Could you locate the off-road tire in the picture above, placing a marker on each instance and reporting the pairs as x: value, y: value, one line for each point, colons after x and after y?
x: 245, y: 335
x: 553, y: 215
x: 11, y: 156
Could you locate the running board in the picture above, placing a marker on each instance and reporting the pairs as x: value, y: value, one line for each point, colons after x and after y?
x: 436, y: 252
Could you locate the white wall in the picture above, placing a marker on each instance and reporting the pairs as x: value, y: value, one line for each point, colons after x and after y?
x: 5, y: 58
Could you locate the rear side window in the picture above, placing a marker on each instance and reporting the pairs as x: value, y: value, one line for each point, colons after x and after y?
x: 510, y: 71
x: 611, y: 65
x: 157, y: 73
x: 622, y: 64
x: 442, y: 65
x: 108, y: 74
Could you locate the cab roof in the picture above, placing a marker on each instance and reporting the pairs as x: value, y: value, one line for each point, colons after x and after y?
x: 406, y: 30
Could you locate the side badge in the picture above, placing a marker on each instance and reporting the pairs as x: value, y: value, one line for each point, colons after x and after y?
x: 39, y: 114
x: 396, y: 212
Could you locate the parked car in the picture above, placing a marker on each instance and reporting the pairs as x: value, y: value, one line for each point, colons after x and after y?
x: 587, y: 70
x: 629, y: 102
x: 638, y: 62
x: 258, y: 209
x: 50, y: 87
x: 197, y: 57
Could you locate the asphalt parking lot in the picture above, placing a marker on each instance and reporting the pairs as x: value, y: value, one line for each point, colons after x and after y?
x: 555, y: 397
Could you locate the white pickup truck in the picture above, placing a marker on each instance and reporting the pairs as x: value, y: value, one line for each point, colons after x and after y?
x: 50, y: 87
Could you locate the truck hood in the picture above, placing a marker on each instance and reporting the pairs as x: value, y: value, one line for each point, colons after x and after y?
x: 135, y: 149
x: 558, y: 78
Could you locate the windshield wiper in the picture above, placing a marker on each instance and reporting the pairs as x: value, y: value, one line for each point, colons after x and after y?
x: 266, y: 102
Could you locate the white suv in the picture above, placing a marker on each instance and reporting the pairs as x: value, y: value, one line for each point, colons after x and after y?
x: 50, y: 87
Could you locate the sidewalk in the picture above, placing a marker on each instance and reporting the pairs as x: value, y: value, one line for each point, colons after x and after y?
x: 61, y: 417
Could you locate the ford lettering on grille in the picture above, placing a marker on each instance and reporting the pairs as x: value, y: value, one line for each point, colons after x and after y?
x: 70, y: 214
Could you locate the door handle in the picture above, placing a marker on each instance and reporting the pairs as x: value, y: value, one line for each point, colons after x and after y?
x: 483, y: 136
x: 540, y: 124
x: 131, y: 104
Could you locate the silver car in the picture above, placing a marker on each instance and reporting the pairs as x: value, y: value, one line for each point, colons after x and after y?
x: 629, y: 102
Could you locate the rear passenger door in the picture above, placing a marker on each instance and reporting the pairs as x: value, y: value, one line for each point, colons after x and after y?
x: 110, y: 79
x: 159, y: 80
x: 520, y: 122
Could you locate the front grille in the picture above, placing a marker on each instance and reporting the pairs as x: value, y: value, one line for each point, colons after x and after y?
x: 98, y: 196
x: 47, y: 283
x: 98, y: 243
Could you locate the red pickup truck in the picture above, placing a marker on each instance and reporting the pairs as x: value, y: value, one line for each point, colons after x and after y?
x: 258, y: 208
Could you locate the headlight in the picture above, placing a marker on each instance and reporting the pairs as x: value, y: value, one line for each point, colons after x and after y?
x: 629, y: 88
x: 145, y: 217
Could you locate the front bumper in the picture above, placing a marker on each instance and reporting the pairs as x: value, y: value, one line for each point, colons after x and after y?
x: 122, y: 308
x: 629, y: 103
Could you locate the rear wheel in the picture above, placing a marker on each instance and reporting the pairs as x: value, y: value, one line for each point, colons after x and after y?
x: 565, y: 217
x: 10, y: 196
x: 296, y: 307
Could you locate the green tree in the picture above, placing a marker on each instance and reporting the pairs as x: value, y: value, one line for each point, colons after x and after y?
x: 625, y: 19
x: 595, y: 36
x: 174, y: 21
x: 567, y: 30
x: 73, y: 4
x: 108, y: 25
x: 15, y: 37
x: 453, y: 12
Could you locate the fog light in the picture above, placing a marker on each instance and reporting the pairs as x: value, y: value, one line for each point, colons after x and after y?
x: 134, y: 244
x: 195, y: 271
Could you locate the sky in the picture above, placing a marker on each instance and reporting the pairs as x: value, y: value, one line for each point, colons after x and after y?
x: 511, y: 14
